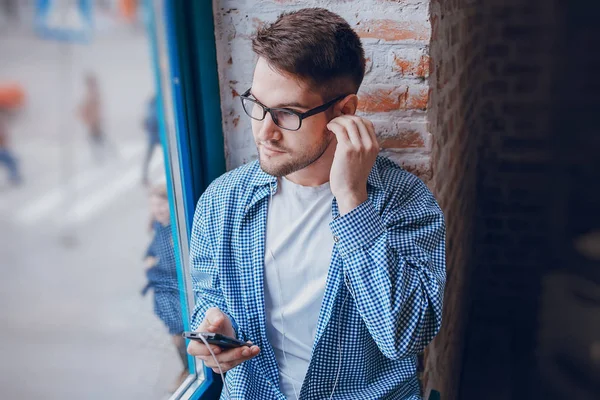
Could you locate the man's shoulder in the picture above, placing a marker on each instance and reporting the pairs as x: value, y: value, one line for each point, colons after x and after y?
x: 399, y: 184
x: 392, y: 176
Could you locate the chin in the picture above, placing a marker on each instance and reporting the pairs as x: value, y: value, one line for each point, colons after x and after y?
x: 269, y: 167
x: 280, y: 169
x: 273, y: 168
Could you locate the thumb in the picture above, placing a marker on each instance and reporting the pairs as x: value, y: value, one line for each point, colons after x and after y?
x: 215, y: 319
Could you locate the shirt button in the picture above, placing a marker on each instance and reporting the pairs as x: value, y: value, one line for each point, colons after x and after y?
x: 336, y: 239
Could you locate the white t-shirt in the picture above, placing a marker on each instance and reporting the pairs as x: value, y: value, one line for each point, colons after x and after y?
x: 297, y: 256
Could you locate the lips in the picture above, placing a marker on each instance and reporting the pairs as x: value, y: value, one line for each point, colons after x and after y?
x: 272, y: 150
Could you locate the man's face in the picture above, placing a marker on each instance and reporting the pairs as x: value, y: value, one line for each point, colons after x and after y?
x: 159, y: 207
x: 282, y: 152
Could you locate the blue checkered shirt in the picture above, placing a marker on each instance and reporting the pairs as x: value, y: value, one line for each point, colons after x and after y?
x: 383, y: 296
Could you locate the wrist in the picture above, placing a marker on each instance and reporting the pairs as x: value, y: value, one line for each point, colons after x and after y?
x: 348, y: 202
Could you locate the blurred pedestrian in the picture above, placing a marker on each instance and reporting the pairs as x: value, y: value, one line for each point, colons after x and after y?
x: 7, y: 157
x: 128, y: 9
x: 90, y: 112
x: 10, y: 9
x: 12, y: 96
x: 152, y: 136
x: 162, y: 273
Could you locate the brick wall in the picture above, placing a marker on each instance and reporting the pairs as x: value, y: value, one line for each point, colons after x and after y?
x: 395, y: 91
x: 513, y: 111
x: 496, y: 109
x: 456, y: 55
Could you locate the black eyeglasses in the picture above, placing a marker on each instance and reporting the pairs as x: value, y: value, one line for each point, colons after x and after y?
x: 283, y: 117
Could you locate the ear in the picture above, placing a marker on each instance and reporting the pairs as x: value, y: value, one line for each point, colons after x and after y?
x: 348, y: 105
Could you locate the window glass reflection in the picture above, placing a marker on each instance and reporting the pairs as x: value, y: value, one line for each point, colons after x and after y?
x: 89, y: 293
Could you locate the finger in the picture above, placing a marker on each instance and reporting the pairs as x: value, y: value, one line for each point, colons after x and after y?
x: 251, y: 352
x: 353, y: 129
x: 239, y: 354
x: 230, y: 355
x: 340, y: 132
x: 211, y: 363
x: 224, y: 366
x: 199, y: 349
x: 214, y: 318
x: 231, y: 358
x: 365, y: 136
x: 372, y: 133
x: 367, y: 132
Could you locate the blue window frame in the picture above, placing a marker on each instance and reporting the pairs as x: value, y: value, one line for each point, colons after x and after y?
x: 184, y: 56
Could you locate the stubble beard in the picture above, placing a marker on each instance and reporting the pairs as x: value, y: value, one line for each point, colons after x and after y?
x: 295, y: 164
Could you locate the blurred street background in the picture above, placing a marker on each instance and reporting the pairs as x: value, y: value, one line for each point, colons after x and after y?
x: 74, y: 229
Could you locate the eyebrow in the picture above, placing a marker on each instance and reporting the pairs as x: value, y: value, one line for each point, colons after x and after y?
x: 284, y: 105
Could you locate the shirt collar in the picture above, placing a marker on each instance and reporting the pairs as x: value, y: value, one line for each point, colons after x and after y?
x: 260, y: 177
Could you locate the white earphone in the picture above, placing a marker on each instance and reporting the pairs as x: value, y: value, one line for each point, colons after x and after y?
x: 227, y: 392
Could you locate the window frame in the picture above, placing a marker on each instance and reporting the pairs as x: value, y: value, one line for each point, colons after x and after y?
x: 185, y: 66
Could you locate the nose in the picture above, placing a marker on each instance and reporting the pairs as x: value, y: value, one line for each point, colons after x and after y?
x: 267, y: 130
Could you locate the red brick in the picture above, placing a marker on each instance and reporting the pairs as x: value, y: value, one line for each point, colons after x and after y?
x: 405, y: 67
x: 384, y: 127
x: 418, y: 101
x: 392, y: 99
x: 405, y: 139
x: 392, y: 30
x: 422, y: 170
x: 382, y: 100
x: 418, y: 68
x: 423, y: 67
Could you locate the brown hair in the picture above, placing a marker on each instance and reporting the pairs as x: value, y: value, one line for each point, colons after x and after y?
x: 317, y: 46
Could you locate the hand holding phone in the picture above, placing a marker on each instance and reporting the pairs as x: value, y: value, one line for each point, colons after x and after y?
x: 216, y: 322
x: 224, y: 342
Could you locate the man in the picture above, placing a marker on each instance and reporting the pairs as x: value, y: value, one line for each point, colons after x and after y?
x: 152, y: 135
x: 6, y: 155
x: 12, y: 98
x: 90, y: 112
x: 328, y: 258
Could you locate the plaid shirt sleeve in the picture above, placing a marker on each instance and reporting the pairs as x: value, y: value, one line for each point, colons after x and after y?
x: 204, y: 271
x: 394, y: 266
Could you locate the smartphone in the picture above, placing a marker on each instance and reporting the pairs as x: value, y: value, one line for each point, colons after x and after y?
x: 224, y: 342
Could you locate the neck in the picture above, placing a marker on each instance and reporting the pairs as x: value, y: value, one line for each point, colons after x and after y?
x: 318, y: 172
